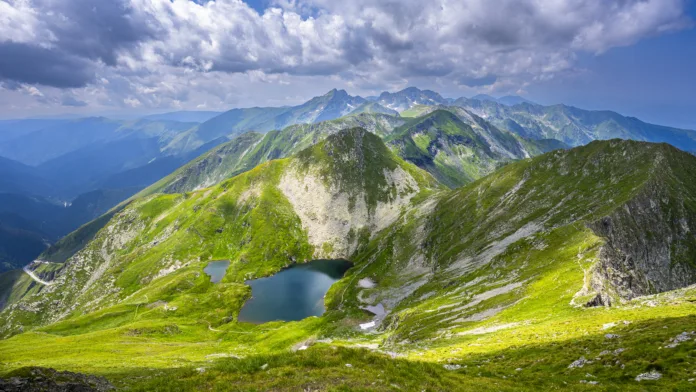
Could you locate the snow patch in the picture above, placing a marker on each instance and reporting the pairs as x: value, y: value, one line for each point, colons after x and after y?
x: 369, y: 325
x: 366, y: 283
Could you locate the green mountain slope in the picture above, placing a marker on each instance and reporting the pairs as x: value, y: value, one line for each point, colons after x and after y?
x: 437, y: 142
x: 596, y: 225
x: 538, y: 268
x: 251, y: 149
x: 374, y: 107
x: 262, y: 219
x: 455, y: 152
x: 221, y: 162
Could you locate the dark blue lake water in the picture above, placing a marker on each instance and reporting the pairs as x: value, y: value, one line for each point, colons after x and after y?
x: 294, y: 293
x: 216, y: 270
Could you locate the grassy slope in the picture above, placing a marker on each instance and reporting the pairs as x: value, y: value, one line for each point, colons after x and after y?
x: 538, y: 207
x: 373, y: 107
x: 155, y: 248
x: 227, y: 158
x: 551, y: 264
x: 457, y: 153
x: 13, y: 284
x: 443, y: 145
x: 155, y: 359
x: 541, y: 334
x: 454, y: 165
x: 258, y: 229
x: 251, y: 149
x: 354, y: 161
x: 416, y: 111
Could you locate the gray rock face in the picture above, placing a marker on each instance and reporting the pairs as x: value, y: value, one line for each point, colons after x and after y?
x: 650, y: 246
x: 579, y: 363
x: 44, y: 379
x: 649, y: 376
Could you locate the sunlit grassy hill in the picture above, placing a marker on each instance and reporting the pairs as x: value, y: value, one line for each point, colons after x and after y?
x: 570, y: 270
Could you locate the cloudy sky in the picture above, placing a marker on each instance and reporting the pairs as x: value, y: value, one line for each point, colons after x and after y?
x: 138, y: 56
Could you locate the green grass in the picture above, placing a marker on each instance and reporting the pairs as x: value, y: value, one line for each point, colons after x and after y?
x: 250, y: 149
x: 150, y: 356
x: 150, y: 331
x: 446, y: 147
x: 415, y: 111
x: 13, y: 285
x: 457, y: 153
x: 355, y: 161
x: 78, y: 239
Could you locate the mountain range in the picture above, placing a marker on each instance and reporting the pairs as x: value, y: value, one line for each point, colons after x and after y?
x: 334, y: 104
x: 575, y: 253
x: 455, y: 140
x: 482, y: 231
x: 61, y: 149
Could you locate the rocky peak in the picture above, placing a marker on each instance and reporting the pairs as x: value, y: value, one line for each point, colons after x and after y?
x: 352, y: 158
x: 409, y: 97
x: 347, y: 186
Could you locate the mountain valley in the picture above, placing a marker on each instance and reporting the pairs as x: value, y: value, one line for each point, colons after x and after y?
x: 494, y: 243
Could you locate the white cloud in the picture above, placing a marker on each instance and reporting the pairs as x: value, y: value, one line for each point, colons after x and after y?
x: 132, y: 102
x: 19, y: 22
x: 171, y: 53
x: 31, y: 90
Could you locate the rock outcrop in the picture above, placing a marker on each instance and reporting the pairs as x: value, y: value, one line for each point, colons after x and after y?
x: 43, y: 379
x: 650, y: 245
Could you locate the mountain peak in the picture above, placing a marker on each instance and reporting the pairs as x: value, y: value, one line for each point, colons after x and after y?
x: 484, y: 97
x: 336, y: 93
x: 331, y: 94
x: 442, y: 114
x: 349, y: 146
x: 438, y: 117
x: 409, y: 97
x: 354, y: 160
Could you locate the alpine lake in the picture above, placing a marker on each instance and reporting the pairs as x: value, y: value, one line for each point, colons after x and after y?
x: 292, y: 294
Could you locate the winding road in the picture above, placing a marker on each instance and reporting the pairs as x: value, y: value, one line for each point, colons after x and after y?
x: 33, y: 276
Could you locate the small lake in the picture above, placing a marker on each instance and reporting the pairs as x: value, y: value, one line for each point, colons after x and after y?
x: 294, y: 293
x: 216, y: 270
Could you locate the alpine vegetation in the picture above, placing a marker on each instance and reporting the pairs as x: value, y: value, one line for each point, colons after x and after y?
x: 240, y: 195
